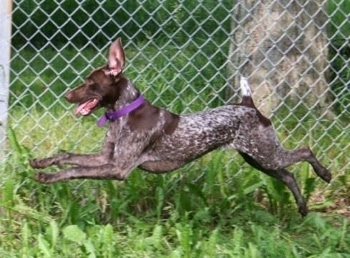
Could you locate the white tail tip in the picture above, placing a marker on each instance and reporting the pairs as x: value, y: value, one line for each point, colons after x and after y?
x: 245, y: 88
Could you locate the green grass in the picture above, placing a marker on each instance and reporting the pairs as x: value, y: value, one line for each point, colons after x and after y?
x: 203, y: 210
x: 211, y: 208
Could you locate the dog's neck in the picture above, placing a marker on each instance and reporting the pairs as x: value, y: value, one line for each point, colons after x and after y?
x: 127, y: 94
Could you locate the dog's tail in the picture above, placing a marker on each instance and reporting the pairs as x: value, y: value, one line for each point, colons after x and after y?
x: 245, y: 87
x: 246, y: 91
x: 247, y: 100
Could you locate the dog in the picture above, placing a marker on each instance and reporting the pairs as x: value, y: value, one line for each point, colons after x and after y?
x: 158, y: 141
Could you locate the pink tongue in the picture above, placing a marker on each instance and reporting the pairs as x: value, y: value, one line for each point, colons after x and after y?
x: 78, y: 109
x: 86, y: 107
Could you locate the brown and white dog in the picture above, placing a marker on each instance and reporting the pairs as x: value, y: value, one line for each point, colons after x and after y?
x: 156, y: 140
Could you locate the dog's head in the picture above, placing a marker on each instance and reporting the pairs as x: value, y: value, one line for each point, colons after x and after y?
x: 101, y: 88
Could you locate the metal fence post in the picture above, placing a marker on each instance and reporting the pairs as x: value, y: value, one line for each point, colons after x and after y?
x: 5, y: 47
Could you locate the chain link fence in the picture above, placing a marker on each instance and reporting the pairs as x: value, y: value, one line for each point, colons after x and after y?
x: 184, y: 56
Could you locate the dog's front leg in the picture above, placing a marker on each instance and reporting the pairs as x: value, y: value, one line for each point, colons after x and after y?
x: 107, y: 171
x: 88, y: 160
x: 126, y: 157
x: 117, y: 168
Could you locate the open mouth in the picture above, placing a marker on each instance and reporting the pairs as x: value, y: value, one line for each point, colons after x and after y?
x: 87, y: 107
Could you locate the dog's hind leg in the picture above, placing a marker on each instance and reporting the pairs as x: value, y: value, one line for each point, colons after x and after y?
x: 286, y: 177
x: 289, y: 157
x: 266, y: 136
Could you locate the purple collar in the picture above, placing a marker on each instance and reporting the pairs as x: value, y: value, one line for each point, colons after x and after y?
x: 114, y: 115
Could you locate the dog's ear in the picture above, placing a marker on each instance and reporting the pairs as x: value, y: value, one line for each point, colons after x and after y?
x: 116, y: 58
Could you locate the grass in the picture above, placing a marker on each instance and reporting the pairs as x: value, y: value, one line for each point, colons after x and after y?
x: 202, y: 210
x: 182, y: 214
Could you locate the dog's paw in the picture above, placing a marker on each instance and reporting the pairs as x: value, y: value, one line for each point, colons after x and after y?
x: 303, y: 210
x: 39, y: 163
x: 34, y: 163
x: 326, y: 175
x: 43, y: 178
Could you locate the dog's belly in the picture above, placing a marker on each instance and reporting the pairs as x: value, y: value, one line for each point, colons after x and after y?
x: 195, y: 135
